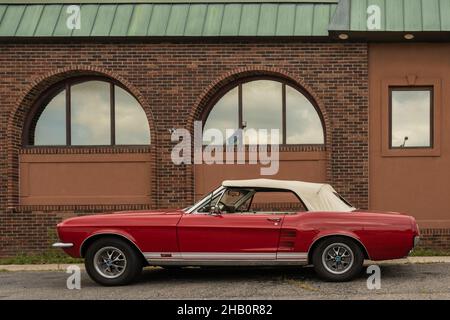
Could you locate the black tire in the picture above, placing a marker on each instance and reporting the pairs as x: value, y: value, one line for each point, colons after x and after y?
x: 128, y: 273
x: 348, y: 272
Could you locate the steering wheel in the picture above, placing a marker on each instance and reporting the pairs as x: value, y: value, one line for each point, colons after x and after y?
x: 223, y: 207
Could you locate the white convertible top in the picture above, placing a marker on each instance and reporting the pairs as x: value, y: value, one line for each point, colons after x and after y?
x: 315, y: 196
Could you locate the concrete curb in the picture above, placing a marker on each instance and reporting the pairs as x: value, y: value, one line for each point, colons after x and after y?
x: 63, y: 267
x: 413, y: 260
x: 37, y: 267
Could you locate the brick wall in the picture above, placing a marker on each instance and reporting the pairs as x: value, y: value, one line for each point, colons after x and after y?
x: 173, y: 82
x: 438, y: 239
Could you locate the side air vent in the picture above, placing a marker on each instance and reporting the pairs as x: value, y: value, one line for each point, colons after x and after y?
x: 287, y: 239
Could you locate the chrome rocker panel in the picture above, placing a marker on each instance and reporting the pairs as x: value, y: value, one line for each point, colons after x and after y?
x: 226, y: 259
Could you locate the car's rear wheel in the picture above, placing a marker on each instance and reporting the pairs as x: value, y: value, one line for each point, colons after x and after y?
x: 112, y: 262
x: 337, y: 259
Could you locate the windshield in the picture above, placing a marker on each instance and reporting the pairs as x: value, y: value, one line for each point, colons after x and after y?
x: 211, y: 201
x: 206, y: 201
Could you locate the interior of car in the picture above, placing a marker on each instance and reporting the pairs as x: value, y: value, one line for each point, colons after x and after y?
x: 253, y: 201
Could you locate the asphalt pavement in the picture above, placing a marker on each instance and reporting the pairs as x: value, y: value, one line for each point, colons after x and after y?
x: 398, y: 281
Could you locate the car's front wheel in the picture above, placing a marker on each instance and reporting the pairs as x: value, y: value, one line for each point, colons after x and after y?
x: 338, y: 259
x: 112, y: 262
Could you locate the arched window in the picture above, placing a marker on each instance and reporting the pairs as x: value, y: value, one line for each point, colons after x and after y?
x: 88, y: 111
x: 267, y: 104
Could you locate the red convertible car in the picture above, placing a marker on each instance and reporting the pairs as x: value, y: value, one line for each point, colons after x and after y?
x: 243, y: 222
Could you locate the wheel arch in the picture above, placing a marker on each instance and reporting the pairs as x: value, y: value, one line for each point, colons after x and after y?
x: 319, y: 239
x: 96, y: 236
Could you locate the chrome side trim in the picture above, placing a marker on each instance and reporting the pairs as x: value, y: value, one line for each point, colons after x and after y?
x: 226, y: 258
x: 162, y: 255
x: 300, y: 256
x: 226, y: 263
x: 62, y: 245
x: 209, y: 256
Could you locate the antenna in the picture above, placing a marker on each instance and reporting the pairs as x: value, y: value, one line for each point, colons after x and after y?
x: 404, y: 142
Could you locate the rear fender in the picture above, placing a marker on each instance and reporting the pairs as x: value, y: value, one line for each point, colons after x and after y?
x: 335, y: 233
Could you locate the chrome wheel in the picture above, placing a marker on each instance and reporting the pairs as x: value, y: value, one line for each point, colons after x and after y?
x: 110, y: 262
x: 337, y: 258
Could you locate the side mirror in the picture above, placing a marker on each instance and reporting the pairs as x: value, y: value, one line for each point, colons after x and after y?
x: 214, y: 211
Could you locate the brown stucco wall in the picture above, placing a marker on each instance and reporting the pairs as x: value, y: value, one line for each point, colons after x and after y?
x: 293, y: 165
x: 415, y: 182
x: 86, y: 179
x: 174, y: 82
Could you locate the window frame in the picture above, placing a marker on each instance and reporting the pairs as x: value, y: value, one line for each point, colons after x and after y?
x: 284, y: 82
x: 28, y: 133
x: 430, y: 89
x: 408, y: 80
x: 290, y: 213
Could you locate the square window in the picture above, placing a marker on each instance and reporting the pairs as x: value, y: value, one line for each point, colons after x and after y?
x: 411, y: 117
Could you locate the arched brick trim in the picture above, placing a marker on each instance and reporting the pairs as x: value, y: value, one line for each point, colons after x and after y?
x: 212, y: 90
x: 28, y: 97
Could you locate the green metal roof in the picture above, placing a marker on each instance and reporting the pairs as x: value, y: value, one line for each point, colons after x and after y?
x: 169, y: 18
x: 159, y: 1
x: 396, y: 15
x: 224, y: 18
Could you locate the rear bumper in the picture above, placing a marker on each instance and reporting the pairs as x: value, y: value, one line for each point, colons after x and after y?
x: 62, y: 245
x: 416, y: 241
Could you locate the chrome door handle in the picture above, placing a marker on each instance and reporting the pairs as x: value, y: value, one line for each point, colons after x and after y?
x: 274, y: 219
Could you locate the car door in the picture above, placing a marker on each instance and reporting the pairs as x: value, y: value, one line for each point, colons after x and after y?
x: 229, y: 236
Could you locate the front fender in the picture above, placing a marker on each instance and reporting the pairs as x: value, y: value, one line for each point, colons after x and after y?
x: 80, y: 236
x: 105, y: 232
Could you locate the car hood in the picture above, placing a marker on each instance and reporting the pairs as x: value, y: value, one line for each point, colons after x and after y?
x: 117, y: 217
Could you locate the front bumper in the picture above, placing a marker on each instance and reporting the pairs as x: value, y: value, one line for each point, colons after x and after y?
x: 62, y: 245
